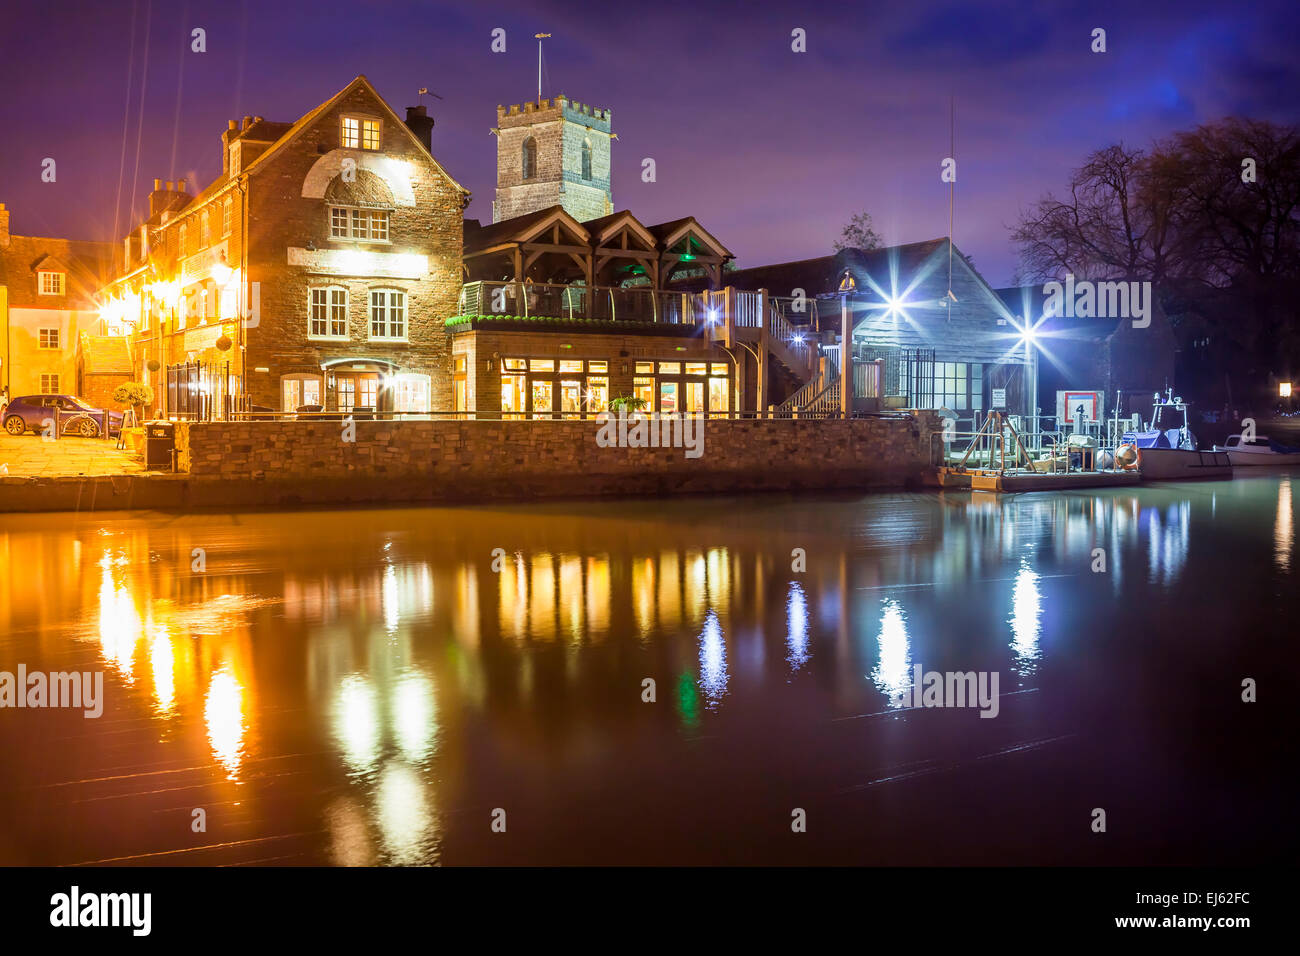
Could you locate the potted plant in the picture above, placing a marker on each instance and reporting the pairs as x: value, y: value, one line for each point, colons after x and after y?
x: 625, y: 405
x: 134, y: 395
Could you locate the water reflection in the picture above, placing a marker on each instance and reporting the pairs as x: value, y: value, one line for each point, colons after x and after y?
x: 1283, y: 533
x: 1026, y: 608
x: 289, y: 644
x: 893, y: 672
x: 796, y: 627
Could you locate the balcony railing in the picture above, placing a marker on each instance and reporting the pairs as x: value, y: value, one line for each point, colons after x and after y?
x: 543, y: 300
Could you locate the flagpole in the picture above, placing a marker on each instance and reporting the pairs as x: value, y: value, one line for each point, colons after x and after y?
x: 540, y: 37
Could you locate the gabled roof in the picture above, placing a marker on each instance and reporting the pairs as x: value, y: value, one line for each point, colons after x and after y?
x: 88, y: 265
x: 286, y: 133
x: 603, y: 225
x: 668, y: 233
x: 519, y: 228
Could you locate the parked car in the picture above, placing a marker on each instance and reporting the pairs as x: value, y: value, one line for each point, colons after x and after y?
x: 28, y: 413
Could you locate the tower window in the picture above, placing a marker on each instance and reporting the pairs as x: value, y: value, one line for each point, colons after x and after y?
x: 529, y: 158
x: 586, y: 159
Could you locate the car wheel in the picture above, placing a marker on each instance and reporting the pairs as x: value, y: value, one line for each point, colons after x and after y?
x: 15, y: 425
x: 87, y: 428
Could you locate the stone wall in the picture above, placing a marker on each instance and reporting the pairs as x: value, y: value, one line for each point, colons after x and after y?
x: 309, y: 462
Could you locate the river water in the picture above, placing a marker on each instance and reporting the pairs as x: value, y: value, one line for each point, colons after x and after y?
x: 469, y: 685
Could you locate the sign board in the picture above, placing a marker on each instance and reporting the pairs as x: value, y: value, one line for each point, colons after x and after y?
x: 999, y: 399
x: 1068, y: 404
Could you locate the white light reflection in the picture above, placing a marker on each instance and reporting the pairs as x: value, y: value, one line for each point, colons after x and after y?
x: 796, y: 624
x: 1283, y: 531
x: 892, y: 674
x: 224, y: 712
x: 1026, y: 607
x: 713, y: 660
x: 404, y: 815
x: 356, y: 723
x: 415, y: 716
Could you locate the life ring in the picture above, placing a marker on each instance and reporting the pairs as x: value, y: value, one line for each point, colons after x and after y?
x: 1122, y: 458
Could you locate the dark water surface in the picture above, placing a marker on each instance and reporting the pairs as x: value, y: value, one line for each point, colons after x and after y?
x: 363, y: 687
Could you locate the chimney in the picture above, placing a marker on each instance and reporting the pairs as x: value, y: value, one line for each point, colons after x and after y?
x: 421, y: 124
x: 159, y: 198
x: 248, y: 121
x: 4, y: 227
x: 171, y: 186
x: 228, y: 136
x: 180, y: 185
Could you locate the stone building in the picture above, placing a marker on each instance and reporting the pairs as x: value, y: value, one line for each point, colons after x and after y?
x: 318, y: 269
x: 553, y: 152
x: 47, y: 306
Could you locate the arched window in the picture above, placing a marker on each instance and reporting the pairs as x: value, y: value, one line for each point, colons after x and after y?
x: 586, y: 159
x: 529, y: 158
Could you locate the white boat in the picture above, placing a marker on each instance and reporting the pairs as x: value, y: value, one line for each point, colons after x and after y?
x: 1166, y: 450
x: 1258, y: 451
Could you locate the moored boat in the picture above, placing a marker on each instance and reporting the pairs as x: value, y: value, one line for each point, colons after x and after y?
x: 1166, y: 450
x: 1258, y: 451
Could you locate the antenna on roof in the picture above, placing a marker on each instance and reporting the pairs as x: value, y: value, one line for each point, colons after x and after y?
x: 952, y: 183
x: 540, y: 37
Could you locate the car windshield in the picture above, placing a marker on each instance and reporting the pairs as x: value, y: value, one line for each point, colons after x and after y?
x: 73, y: 400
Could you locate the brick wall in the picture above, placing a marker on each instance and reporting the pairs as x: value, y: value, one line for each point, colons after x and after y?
x: 439, y: 460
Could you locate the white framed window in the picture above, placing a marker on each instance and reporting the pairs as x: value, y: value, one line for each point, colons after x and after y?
x: 50, y: 382
x: 339, y: 223
x: 49, y: 338
x: 205, y: 228
x: 227, y: 209
x: 329, y: 313
x: 300, y: 389
x: 360, y: 224
x: 51, y: 283
x: 387, y: 314
x: 366, y: 225
x: 184, y: 236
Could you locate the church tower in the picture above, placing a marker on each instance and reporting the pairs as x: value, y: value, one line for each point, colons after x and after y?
x: 553, y: 152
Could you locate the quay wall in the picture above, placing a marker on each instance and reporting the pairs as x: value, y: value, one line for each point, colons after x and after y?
x: 233, y: 465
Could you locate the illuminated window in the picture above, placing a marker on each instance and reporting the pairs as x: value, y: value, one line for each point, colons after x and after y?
x: 299, y: 390
x: 379, y: 224
x: 370, y: 134
x: 512, y: 395
x: 670, y: 368
x: 541, y: 365
x: 644, y: 389
x: 695, y: 368
x: 570, y: 365
x: 595, y: 366
x: 184, y: 238
x: 718, y: 368
x: 329, y: 313
x: 667, y: 397
x: 718, y: 392
x: 529, y: 158
x: 543, y: 398
x: 645, y: 368
x: 205, y: 228
x: 571, y: 393
x: 515, y: 365
x: 459, y: 367
x: 51, y: 283
x: 351, y: 133
x: 387, y: 314
x: 597, y: 394
x: 49, y: 338
x: 49, y: 382
x: 227, y: 208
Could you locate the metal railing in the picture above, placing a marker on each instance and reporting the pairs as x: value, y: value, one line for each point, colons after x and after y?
x: 545, y: 300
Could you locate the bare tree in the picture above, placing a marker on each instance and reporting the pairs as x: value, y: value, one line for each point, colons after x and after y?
x: 858, y: 234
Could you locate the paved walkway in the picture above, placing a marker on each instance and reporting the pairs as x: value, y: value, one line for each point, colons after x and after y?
x: 31, y: 456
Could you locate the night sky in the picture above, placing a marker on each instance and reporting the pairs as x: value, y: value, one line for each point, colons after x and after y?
x: 771, y: 150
